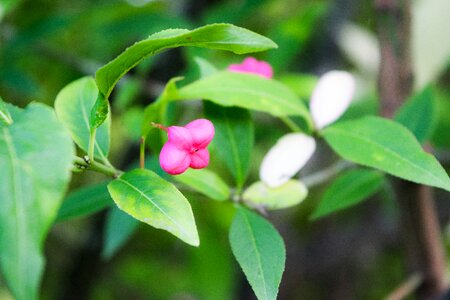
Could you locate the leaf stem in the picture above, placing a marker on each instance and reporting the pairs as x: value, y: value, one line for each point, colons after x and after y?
x: 91, y: 144
x: 96, y: 166
x: 291, y: 124
x: 142, y: 152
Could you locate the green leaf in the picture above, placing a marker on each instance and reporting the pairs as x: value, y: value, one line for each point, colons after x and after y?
x: 205, y: 182
x: 205, y: 67
x: 260, y: 251
x: 36, y: 155
x: 418, y: 114
x: 119, y: 229
x: 5, y: 116
x: 247, y: 91
x: 289, y: 194
x: 99, y: 112
x: 73, y: 105
x: 156, y: 111
x: 387, y: 146
x: 84, y: 202
x: 152, y: 200
x: 216, y: 36
x: 349, y: 189
x: 233, y: 139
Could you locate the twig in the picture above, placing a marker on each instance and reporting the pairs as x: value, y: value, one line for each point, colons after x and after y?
x: 406, y: 288
x: 324, y: 175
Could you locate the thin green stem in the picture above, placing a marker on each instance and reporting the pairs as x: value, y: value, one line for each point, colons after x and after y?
x: 142, y: 152
x: 91, y: 144
x: 97, y: 167
x: 291, y: 124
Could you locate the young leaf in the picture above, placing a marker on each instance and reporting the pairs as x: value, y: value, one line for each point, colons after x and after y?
x: 260, y: 251
x: 152, y: 200
x: 119, y: 229
x: 5, y: 116
x: 205, y: 182
x: 418, y: 114
x: 289, y: 194
x: 349, y: 189
x: 85, y: 201
x: 387, y: 146
x: 247, y: 91
x: 73, y: 105
x: 234, y: 138
x: 36, y: 155
x: 99, y: 112
x: 216, y: 36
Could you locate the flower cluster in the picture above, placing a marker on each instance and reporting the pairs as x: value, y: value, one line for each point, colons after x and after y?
x: 186, y: 146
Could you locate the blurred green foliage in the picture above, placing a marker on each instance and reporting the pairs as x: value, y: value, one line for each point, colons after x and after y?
x: 355, y: 254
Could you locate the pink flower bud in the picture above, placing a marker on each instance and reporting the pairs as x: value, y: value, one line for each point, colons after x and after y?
x: 254, y: 66
x: 186, y: 146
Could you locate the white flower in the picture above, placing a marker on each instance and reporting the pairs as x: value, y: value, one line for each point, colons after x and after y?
x: 331, y: 97
x: 285, y: 158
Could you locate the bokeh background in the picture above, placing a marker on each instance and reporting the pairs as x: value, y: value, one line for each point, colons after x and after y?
x: 354, y: 254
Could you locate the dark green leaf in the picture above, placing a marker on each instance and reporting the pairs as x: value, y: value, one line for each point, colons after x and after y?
x: 247, y: 91
x: 387, y: 146
x: 216, y: 36
x: 84, y: 202
x: 119, y: 229
x: 260, y: 251
x: 418, y: 114
x: 152, y: 200
x: 36, y: 155
x: 233, y: 139
x: 73, y: 105
x: 349, y: 189
x: 205, y: 182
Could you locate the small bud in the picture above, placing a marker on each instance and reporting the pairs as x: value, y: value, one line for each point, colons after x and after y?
x: 286, y: 158
x: 254, y: 66
x: 186, y: 146
x: 331, y: 97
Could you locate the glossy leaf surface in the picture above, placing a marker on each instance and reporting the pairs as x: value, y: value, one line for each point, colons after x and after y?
x: 388, y: 146
x: 152, y: 200
x: 206, y: 182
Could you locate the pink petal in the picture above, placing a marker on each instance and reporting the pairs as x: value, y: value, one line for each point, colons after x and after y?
x: 174, y: 160
x: 202, y: 132
x: 200, y: 159
x: 180, y: 137
x: 252, y: 65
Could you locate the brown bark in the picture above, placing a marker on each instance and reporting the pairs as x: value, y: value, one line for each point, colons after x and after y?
x: 424, y: 249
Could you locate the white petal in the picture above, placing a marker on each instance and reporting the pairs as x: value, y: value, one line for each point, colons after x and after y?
x: 287, y: 157
x: 331, y: 97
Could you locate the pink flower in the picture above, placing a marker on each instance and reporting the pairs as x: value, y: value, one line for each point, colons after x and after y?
x: 186, y: 146
x: 254, y: 66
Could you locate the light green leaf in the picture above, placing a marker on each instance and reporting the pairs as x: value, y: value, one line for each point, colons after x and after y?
x: 5, y: 116
x: 205, y: 182
x: 205, y: 67
x: 36, y: 158
x: 260, y: 251
x: 216, y: 36
x: 84, y: 202
x: 418, y: 114
x: 387, y: 146
x: 233, y: 139
x: 247, y: 91
x: 119, y: 229
x: 349, y: 189
x: 152, y: 200
x: 289, y: 194
x: 156, y: 111
x: 73, y: 105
